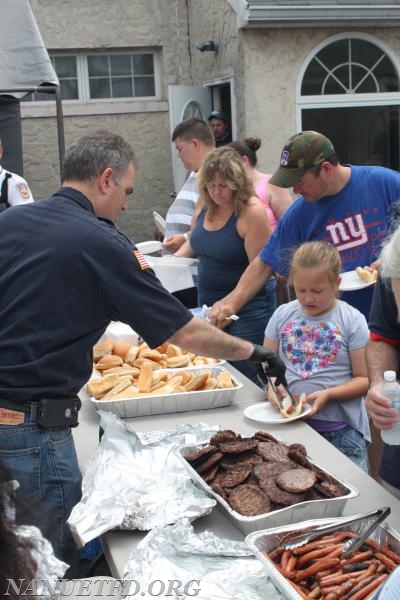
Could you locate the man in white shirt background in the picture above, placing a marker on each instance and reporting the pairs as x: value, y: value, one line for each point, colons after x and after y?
x: 13, y: 188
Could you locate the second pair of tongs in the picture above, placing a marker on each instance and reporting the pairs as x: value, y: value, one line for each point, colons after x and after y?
x: 351, y: 545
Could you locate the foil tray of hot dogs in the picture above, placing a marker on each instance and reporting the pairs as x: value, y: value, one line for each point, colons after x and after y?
x: 303, y: 507
x: 361, y: 574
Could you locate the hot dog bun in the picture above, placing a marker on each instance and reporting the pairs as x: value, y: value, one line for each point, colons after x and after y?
x: 367, y: 275
x: 288, y: 410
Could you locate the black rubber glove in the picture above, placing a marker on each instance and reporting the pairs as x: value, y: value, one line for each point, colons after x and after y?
x: 267, y: 363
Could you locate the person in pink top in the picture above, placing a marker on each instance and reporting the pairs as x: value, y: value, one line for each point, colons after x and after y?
x: 275, y: 200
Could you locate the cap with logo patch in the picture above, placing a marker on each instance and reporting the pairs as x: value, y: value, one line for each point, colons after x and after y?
x: 301, y: 152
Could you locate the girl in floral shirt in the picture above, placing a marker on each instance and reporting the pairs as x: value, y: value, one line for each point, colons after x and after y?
x: 322, y: 341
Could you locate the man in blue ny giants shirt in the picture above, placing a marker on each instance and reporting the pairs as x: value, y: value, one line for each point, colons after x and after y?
x: 353, y: 207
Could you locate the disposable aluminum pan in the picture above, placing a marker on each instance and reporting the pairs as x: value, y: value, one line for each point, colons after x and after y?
x: 261, y: 542
x: 143, y: 405
x: 329, y: 507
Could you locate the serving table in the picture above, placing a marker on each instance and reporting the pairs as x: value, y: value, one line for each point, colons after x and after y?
x: 118, y: 545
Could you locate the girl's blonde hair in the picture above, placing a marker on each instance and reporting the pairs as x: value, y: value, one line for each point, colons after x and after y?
x: 229, y: 164
x: 316, y: 255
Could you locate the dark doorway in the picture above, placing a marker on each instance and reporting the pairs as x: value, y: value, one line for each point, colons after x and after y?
x: 361, y: 135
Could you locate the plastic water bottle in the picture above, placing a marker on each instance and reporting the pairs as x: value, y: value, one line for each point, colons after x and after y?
x: 391, y: 389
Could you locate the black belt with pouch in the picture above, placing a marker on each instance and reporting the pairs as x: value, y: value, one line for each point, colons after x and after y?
x: 48, y: 412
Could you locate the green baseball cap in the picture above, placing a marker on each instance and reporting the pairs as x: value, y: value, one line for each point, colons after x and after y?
x: 301, y: 152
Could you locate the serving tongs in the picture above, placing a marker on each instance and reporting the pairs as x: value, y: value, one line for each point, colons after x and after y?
x: 350, y: 546
x: 278, y: 398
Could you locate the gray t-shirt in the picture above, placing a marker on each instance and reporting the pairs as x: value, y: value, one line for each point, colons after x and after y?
x: 315, y: 351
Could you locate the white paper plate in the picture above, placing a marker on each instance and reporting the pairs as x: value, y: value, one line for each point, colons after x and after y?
x: 173, y: 261
x: 351, y: 282
x: 149, y: 247
x: 264, y: 412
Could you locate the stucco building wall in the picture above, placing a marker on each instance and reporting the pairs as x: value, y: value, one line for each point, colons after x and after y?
x: 110, y: 24
x: 263, y: 64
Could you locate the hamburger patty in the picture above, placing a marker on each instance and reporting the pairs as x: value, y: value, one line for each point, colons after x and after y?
x: 198, y: 455
x: 243, y: 458
x: 273, y: 452
x: 249, y: 500
x: 279, y: 496
x: 296, y: 480
x: 270, y: 470
x: 235, y: 476
x: 237, y: 446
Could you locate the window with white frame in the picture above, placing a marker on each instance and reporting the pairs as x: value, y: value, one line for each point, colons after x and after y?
x: 348, y: 89
x: 95, y: 76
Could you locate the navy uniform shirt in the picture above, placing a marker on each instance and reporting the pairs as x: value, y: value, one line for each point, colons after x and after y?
x: 64, y: 275
x: 384, y: 325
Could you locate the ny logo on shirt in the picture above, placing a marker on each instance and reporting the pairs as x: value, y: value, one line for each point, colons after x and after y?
x: 349, y: 233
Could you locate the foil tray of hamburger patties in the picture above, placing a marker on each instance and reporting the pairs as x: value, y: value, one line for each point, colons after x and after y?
x: 221, y: 475
x: 263, y: 542
x: 151, y: 404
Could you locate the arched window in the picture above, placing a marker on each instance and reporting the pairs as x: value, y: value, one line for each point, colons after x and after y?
x: 349, y: 89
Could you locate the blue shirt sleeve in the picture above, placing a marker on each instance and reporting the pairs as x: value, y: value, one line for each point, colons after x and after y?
x: 278, y: 251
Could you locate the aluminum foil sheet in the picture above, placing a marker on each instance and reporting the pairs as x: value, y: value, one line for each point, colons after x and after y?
x: 136, y: 481
x: 175, y: 561
x: 269, y: 539
x: 49, y: 568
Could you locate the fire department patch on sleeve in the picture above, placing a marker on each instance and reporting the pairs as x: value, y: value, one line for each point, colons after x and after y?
x: 23, y: 191
x: 142, y: 260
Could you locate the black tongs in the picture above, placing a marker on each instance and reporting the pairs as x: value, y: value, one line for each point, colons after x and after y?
x: 277, y: 396
x: 265, y: 370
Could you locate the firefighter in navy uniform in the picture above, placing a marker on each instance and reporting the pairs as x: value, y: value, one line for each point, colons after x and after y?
x: 13, y: 188
x: 66, y: 271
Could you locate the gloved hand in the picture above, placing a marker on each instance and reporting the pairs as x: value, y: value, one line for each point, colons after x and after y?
x: 267, y: 363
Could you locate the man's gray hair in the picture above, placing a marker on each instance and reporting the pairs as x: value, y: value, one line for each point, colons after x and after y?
x: 390, y: 256
x: 92, y: 153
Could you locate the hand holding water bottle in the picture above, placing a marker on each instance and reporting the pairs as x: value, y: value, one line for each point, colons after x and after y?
x: 390, y: 388
x: 379, y: 406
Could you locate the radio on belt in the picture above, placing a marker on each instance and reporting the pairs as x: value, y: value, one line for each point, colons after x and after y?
x: 58, y: 412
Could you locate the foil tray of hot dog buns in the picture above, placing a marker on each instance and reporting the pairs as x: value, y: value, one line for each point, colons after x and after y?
x: 317, y: 570
x: 161, y: 391
x: 260, y: 481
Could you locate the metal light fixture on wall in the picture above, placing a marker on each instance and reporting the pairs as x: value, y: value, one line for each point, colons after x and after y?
x: 209, y: 46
